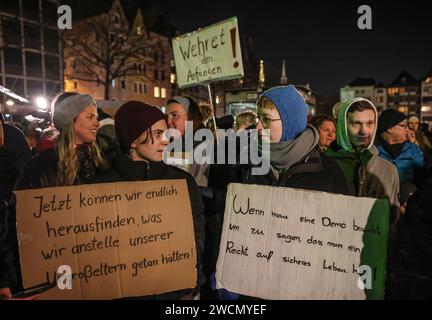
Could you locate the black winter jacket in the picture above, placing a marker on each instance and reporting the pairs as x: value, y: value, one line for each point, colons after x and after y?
x: 124, y: 169
x: 38, y: 172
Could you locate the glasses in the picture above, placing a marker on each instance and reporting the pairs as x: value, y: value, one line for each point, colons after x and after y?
x: 265, y: 120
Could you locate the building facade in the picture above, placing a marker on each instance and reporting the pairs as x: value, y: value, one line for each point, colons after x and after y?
x: 380, y: 97
x: 138, y: 71
x: 404, y: 94
x: 30, y: 53
x: 426, y: 98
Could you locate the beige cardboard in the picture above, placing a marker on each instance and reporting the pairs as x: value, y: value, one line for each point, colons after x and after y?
x: 112, y: 267
x: 276, y: 210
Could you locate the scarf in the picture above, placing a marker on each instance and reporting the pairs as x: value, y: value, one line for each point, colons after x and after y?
x: 284, y: 155
x: 394, y: 150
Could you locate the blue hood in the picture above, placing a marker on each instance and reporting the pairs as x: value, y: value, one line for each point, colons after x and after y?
x: 292, y: 109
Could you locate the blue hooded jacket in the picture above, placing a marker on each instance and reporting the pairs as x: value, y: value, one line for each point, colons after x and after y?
x: 292, y: 108
x: 410, y: 159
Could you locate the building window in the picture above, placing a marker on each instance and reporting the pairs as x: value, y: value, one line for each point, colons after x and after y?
x: 139, y: 31
x: 49, y: 14
x: 137, y: 67
x: 16, y: 85
x: 116, y: 18
x: 172, y: 64
x: 403, y: 109
x: 33, y: 64
x: 155, y: 57
x: 162, y: 58
x: 163, y: 75
x: 136, y: 87
x: 156, y: 74
x: 173, y: 78
x: 31, y: 9
x: 75, y: 85
x: 13, y: 61
x: 51, y: 40
x: 163, y: 93
x: 32, y: 36
x: 145, y: 88
x: 11, y: 31
x: 123, y: 84
x: 144, y: 67
x: 113, y: 83
x: 156, y: 92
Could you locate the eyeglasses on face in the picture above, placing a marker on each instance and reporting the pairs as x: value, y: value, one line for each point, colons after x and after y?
x: 265, y: 120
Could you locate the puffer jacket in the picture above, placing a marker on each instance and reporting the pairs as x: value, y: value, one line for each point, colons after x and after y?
x: 407, y: 162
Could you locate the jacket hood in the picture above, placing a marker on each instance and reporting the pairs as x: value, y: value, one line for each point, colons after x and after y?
x: 342, y: 129
x: 292, y: 109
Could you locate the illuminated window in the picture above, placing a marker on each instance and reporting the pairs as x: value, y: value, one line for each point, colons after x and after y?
x: 217, y: 100
x: 139, y: 31
x: 156, y: 92
x: 403, y: 109
x: 173, y: 78
x: 163, y: 93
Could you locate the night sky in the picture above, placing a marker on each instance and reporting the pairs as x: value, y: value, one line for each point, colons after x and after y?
x: 320, y: 40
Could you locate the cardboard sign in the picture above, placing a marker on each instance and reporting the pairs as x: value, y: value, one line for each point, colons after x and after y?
x: 280, y: 243
x: 123, y: 239
x: 209, y: 54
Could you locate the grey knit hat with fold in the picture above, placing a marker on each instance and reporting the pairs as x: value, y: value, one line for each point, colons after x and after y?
x: 68, y: 109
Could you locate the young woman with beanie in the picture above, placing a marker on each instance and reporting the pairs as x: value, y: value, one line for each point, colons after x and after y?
x: 76, y: 159
x: 140, y: 131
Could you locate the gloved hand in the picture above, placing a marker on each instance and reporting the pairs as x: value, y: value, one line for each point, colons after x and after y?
x: 223, y: 294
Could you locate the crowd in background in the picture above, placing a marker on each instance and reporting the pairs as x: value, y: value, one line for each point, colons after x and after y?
x: 358, y: 152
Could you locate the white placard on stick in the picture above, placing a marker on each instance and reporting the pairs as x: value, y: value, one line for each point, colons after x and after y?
x: 208, y: 54
x: 281, y: 243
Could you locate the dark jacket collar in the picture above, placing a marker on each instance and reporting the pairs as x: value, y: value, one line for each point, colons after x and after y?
x: 138, y: 170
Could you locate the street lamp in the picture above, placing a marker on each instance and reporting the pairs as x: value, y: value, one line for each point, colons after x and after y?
x: 41, y: 103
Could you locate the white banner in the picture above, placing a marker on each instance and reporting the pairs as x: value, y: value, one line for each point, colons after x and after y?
x: 280, y: 243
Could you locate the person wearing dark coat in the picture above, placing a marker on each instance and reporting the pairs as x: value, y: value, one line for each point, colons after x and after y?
x: 409, y: 262
x: 14, y: 153
x: 75, y: 160
x: 140, y: 129
x: 295, y: 158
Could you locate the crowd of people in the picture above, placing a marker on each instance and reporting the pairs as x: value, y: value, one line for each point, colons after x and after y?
x: 358, y: 152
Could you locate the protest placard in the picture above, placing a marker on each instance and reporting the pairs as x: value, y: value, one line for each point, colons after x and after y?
x: 208, y: 54
x: 281, y: 243
x: 123, y: 239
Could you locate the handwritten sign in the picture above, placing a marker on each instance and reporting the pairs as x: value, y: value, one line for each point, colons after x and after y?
x: 120, y: 239
x: 280, y: 243
x: 209, y: 54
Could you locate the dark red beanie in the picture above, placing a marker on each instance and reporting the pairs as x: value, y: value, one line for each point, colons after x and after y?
x: 132, y: 119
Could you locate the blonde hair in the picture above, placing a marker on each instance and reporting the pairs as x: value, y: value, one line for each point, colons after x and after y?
x: 246, y: 119
x: 266, y: 104
x: 68, y: 166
